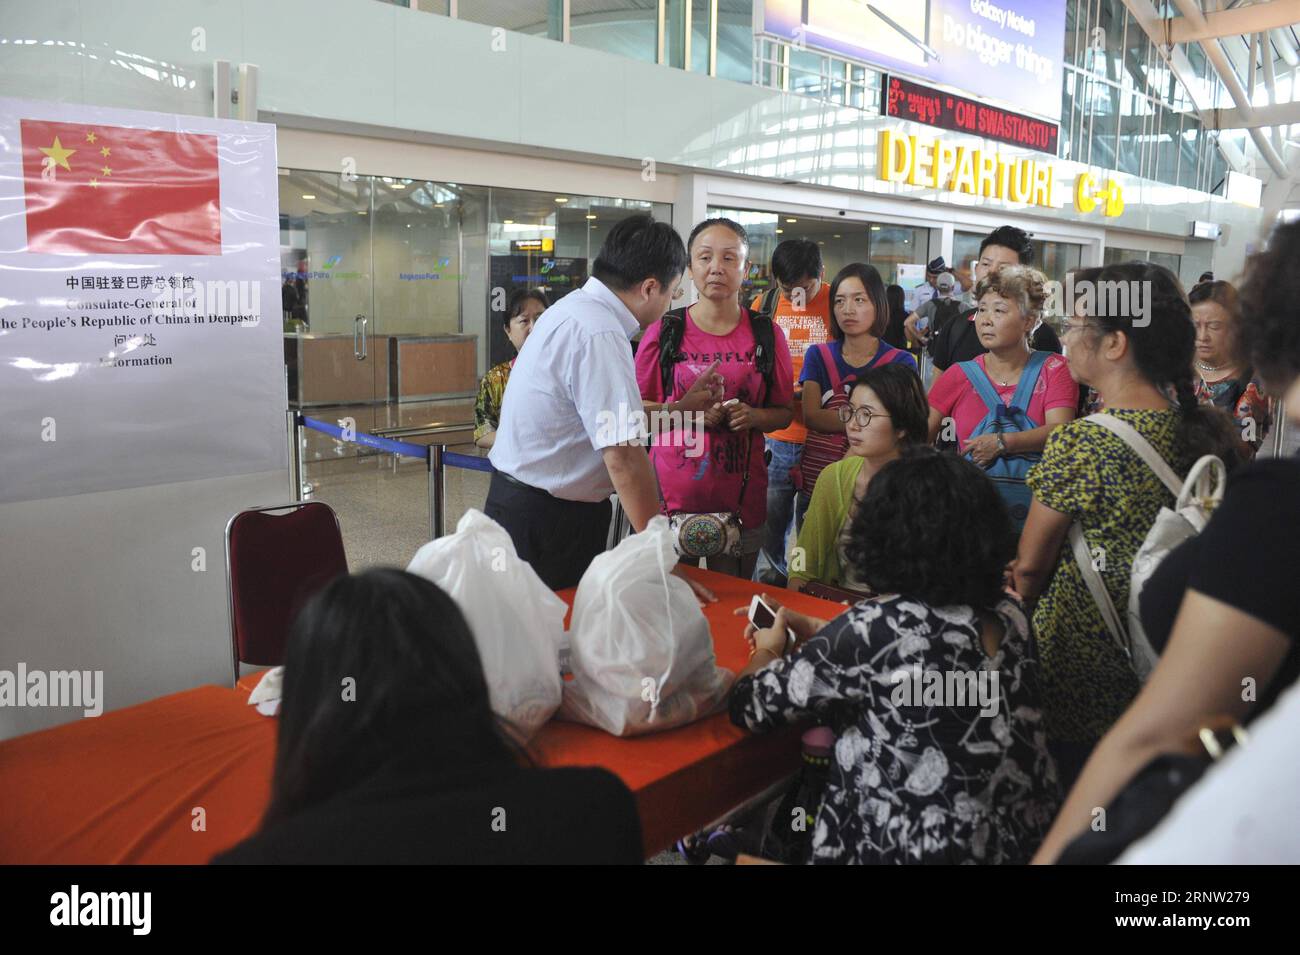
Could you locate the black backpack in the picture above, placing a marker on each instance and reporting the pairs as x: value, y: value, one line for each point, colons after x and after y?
x: 673, y: 329
x: 945, y: 310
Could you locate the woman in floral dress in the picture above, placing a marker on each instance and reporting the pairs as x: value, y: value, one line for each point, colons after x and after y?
x: 931, y: 689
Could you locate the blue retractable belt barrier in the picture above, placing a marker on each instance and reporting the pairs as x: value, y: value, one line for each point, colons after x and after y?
x: 369, y: 440
x: 453, y: 460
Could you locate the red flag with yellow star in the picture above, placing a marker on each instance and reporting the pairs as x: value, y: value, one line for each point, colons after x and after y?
x: 92, y: 188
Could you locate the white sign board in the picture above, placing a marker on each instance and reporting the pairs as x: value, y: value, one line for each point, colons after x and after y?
x: 140, y: 326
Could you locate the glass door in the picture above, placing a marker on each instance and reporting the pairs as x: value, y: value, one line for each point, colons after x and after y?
x: 332, y: 350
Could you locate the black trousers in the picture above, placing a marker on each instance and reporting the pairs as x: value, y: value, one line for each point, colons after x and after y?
x: 558, y: 538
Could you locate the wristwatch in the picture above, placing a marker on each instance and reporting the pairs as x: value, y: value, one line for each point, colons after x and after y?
x: 1002, y: 445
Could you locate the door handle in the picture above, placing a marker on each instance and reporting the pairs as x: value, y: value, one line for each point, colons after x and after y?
x: 359, y: 338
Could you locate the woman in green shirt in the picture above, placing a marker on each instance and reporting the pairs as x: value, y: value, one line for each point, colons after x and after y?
x: 886, y: 414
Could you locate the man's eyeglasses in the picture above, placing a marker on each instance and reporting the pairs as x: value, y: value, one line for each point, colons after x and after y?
x: 861, y: 416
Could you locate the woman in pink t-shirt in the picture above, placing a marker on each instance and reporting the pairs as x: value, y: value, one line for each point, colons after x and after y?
x: 709, y: 474
x: 1010, y: 303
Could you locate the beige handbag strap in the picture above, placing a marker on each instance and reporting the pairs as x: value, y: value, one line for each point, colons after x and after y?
x: 1097, y: 588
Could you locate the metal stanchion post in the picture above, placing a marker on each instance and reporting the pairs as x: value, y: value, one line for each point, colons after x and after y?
x: 437, y: 500
x: 295, y: 456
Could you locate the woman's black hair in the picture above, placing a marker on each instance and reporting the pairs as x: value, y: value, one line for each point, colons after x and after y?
x: 1013, y: 238
x: 380, y: 666
x: 1163, y: 343
x: 1270, y: 308
x: 520, y: 298
x: 897, y: 300
x: 900, y: 391
x: 731, y: 224
x: 639, y: 248
x: 932, y: 527
x: 875, y: 286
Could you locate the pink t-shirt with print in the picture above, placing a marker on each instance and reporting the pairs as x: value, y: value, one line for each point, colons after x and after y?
x: 954, y: 396
x: 694, y: 482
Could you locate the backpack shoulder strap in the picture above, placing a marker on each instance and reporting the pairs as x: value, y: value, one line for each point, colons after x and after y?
x: 832, y: 367
x: 760, y: 323
x: 980, y: 382
x: 1028, y: 381
x: 672, y: 330
x: 1142, y: 447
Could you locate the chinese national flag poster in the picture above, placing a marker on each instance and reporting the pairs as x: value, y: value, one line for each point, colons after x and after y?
x: 93, y: 188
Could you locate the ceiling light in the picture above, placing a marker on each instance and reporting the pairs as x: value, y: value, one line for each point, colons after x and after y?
x: 507, y: 221
x: 779, y: 231
x: 308, y: 196
x: 835, y: 236
x: 399, y: 185
x: 875, y: 228
x: 791, y: 220
x: 591, y: 217
x: 561, y: 199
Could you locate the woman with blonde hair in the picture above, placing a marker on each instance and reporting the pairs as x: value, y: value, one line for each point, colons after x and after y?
x: 1002, y: 405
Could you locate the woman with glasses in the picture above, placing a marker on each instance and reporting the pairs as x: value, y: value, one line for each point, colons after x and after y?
x: 885, y: 415
x: 1135, y: 357
x: 716, y: 368
x: 860, y: 312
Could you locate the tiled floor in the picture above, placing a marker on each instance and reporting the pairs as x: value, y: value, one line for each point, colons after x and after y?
x: 383, y: 500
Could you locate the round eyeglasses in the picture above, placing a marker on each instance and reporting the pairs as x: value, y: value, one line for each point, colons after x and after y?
x: 861, y: 416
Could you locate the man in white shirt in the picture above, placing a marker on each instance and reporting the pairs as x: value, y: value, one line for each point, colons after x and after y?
x: 572, y: 427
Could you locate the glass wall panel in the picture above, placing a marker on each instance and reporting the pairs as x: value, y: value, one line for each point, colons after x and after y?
x: 700, y: 11
x: 965, y: 253
x: 1189, y: 150
x: 735, y: 40
x: 624, y: 27
x: 675, y: 32
x: 534, y: 17
x: 1137, y: 52
x: 546, y: 241
x: 1166, y: 167
x: 1055, y: 259
x: 1169, y: 260
x: 891, y: 246
x: 1134, y: 129
x: 841, y: 242
x: 1104, y: 58
x: 1103, y: 123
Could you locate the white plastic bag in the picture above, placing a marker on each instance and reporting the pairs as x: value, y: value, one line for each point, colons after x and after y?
x: 517, y: 621
x: 640, y: 648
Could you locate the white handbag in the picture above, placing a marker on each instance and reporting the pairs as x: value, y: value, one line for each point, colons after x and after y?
x: 1196, y: 499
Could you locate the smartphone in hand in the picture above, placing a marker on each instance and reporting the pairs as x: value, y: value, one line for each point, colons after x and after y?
x: 762, y: 616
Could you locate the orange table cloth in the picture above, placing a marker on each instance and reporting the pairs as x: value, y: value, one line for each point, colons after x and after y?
x: 183, y: 777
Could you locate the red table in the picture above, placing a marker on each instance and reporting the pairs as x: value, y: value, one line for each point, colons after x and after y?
x: 182, y: 777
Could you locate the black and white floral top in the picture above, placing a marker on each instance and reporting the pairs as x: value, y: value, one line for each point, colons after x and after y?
x: 927, y: 768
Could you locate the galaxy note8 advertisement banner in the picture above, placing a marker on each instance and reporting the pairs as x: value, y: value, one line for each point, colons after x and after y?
x: 1006, y: 50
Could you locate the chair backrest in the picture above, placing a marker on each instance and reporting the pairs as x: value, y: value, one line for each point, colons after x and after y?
x: 276, y: 559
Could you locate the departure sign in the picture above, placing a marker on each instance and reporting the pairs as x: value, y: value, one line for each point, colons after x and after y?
x: 920, y: 104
